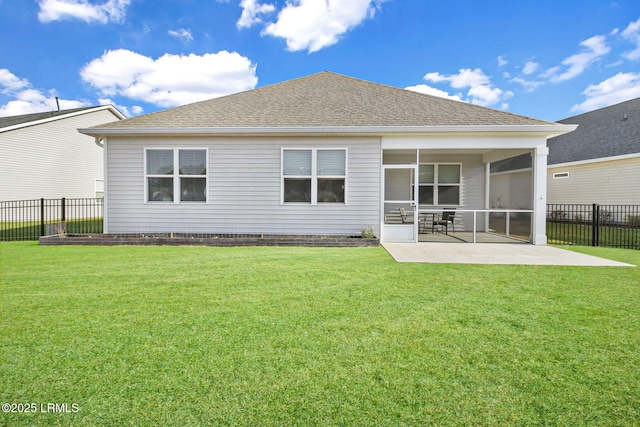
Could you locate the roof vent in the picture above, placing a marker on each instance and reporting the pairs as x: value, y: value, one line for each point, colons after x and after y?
x: 624, y: 118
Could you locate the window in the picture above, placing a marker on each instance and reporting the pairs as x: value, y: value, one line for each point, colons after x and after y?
x: 98, y: 188
x: 188, y: 181
x: 314, y: 176
x: 439, y: 184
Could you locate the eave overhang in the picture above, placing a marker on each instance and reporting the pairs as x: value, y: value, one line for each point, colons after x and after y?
x: 58, y: 117
x: 547, y: 131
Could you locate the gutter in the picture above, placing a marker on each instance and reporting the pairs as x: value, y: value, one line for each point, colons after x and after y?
x: 549, y: 131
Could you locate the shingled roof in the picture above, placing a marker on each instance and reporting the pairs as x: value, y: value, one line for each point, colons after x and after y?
x: 34, y: 117
x: 325, y: 99
x: 607, y: 132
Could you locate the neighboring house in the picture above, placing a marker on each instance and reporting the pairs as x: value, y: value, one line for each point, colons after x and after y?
x: 42, y: 155
x: 597, y: 163
x: 323, y: 154
x: 600, y: 161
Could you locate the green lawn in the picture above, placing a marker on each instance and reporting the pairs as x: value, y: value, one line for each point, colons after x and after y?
x: 30, y: 230
x: 581, y: 234
x: 278, y: 336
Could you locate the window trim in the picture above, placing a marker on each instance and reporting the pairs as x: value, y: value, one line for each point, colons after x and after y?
x: 314, y: 177
x: 436, y: 184
x: 176, y: 176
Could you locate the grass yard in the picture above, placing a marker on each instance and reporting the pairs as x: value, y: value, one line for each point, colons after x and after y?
x: 580, y: 234
x: 26, y: 230
x: 274, y: 336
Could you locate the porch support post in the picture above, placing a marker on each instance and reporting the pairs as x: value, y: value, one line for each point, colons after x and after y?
x: 538, y: 223
x: 487, y: 194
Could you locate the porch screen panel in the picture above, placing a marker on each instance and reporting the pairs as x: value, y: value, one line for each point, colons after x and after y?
x: 397, y: 184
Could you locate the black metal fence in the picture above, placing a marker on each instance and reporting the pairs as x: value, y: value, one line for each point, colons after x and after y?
x: 567, y: 224
x: 30, y: 219
x: 616, y: 226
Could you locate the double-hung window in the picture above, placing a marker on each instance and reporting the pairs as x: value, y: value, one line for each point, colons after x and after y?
x: 439, y: 184
x: 314, y: 175
x: 176, y: 175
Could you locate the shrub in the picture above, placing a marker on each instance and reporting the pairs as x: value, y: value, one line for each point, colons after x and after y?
x: 557, y: 216
x: 634, y: 221
x: 367, y: 233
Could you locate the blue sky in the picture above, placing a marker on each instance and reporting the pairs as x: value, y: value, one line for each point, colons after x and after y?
x: 548, y: 59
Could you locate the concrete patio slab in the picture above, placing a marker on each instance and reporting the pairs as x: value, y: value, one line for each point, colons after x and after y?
x: 493, y: 253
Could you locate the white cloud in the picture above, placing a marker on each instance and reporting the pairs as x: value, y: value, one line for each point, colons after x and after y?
x: 252, y: 12
x: 316, y: 24
x: 621, y: 87
x: 9, y: 82
x: 128, y: 112
x: 632, y: 33
x: 428, y: 90
x: 27, y: 100
x: 109, y: 11
x: 182, y: 34
x: 529, y: 85
x: 574, y: 65
x: 502, y: 62
x: 170, y: 80
x: 530, y: 67
x: 480, y: 89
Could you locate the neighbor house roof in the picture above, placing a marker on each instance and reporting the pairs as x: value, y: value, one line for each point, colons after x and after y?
x: 607, y: 132
x: 23, y: 120
x: 324, y: 100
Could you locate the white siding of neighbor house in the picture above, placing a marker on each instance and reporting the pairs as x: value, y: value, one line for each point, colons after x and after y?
x: 614, y: 182
x: 52, y: 159
x: 511, y: 190
x: 244, y: 189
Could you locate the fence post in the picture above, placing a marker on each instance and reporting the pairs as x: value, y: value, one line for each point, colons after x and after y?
x: 595, y: 225
x: 63, y: 210
x: 42, y: 216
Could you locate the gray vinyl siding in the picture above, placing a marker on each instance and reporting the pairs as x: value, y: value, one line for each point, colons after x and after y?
x: 609, y: 182
x: 244, y: 189
x: 52, y: 159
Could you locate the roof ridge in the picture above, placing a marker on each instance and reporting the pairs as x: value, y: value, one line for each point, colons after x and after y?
x: 21, y: 120
x: 600, y: 110
x: 327, y: 99
x: 433, y: 96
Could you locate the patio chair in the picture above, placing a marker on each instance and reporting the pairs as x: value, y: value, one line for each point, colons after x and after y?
x: 403, y: 215
x: 445, y: 221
